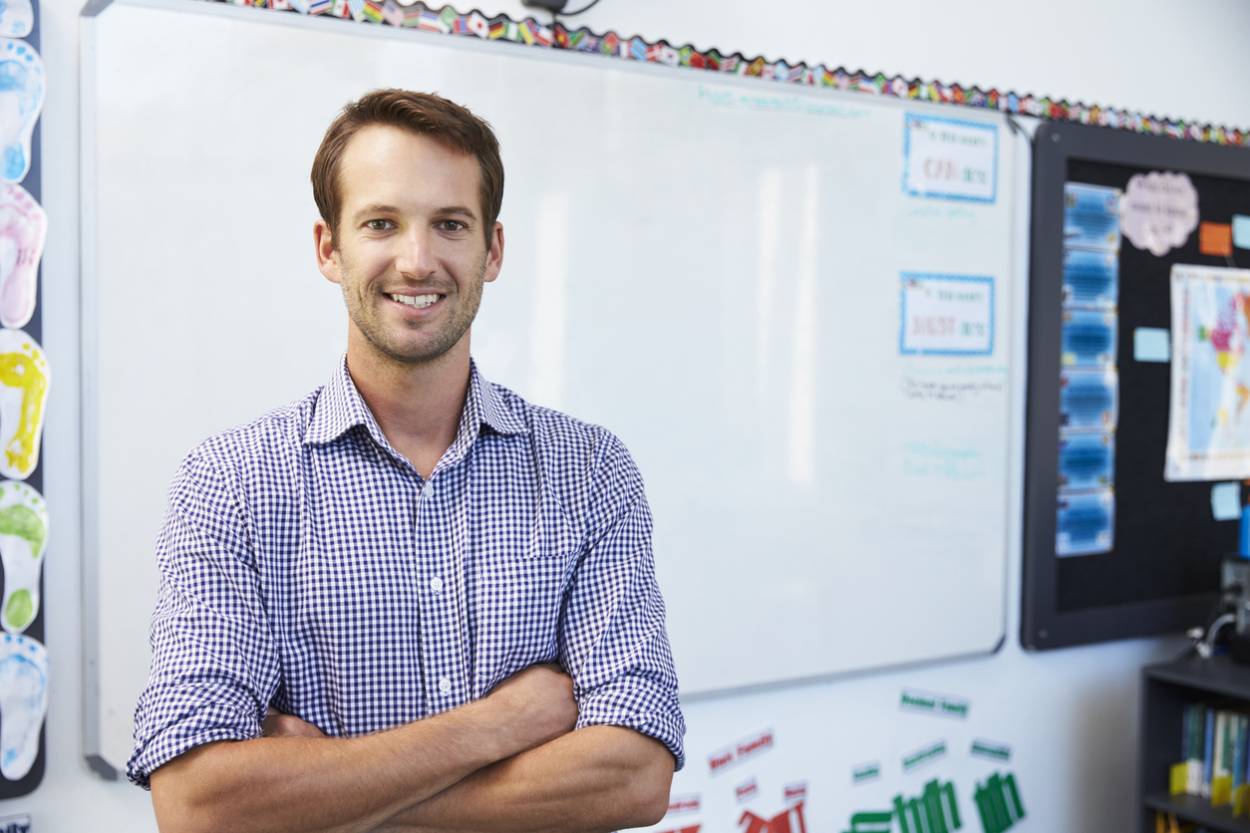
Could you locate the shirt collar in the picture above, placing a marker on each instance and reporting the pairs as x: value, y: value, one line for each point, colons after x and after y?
x: 341, y: 407
x: 493, y: 411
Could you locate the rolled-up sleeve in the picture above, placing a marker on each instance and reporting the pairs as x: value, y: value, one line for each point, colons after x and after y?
x: 613, y: 640
x: 214, y: 667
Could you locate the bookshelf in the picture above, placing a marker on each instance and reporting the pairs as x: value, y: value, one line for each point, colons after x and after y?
x: 1166, y: 689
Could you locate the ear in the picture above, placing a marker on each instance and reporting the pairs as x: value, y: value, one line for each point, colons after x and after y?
x: 327, y: 254
x: 494, y: 257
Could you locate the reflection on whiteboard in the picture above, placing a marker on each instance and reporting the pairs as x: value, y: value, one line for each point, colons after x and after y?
x: 1209, y: 421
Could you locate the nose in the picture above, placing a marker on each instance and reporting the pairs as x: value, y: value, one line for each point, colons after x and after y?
x: 415, y: 257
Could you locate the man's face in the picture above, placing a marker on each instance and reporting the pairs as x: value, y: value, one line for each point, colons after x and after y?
x: 410, y: 253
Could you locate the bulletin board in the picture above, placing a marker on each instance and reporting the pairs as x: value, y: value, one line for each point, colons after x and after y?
x: 1125, y: 523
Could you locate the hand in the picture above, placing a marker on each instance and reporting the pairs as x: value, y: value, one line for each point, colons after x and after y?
x: 537, y: 703
x: 279, y: 725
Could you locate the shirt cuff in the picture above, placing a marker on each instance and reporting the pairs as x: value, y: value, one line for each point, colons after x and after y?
x: 205, y: 725
x: 654, y: 714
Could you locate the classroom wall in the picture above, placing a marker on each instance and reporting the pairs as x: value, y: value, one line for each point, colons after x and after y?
x: 1148, y: 55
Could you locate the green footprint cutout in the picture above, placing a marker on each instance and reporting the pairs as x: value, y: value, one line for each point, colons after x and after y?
x: 23, y: 539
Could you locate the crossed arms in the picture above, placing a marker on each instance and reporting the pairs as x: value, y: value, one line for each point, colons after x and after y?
x: 507, y: 762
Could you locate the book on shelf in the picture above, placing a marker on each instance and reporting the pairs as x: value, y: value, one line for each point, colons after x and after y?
x: 1215, y: 756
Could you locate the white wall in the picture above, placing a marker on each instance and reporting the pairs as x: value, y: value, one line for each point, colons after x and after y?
x: 1070, y: 715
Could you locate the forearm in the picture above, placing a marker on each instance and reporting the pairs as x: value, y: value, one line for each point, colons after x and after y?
x: 327, y: 785
x: 601, y: 778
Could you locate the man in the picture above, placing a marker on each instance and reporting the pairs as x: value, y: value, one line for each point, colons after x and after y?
x: 446, y: 595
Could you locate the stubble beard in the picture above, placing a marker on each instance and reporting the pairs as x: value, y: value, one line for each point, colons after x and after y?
x: 397, y: 346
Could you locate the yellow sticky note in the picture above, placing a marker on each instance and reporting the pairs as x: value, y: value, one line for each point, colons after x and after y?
x: 1241, y: 800
x: 1221, y: 790
x: 1178, y: 778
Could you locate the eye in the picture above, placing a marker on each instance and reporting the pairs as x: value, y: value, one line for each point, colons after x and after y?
x: 452, y: 225
x: 379, y: 225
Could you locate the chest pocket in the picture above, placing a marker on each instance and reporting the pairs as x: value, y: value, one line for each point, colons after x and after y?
x: 523, y: 580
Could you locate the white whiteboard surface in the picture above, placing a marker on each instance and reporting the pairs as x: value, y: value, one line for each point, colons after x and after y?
x: 711, y: 268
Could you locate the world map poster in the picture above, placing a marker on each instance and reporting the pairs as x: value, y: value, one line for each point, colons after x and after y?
x: 1209, y: 420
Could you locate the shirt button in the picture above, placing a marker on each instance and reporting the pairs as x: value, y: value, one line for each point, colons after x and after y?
x: 436, y: 584
x: 427, y: 490
x: 444, y: 685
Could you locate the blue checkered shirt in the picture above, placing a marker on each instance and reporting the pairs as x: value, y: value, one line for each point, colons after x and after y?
x: 306, y: 565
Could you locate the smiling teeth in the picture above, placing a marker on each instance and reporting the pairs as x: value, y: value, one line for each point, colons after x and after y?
x: 416, y: 300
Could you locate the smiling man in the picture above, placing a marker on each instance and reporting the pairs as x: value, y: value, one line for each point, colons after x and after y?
x: 411, y: 600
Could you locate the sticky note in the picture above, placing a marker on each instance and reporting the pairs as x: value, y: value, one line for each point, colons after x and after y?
x: 1241, y: 231
x: 1152, y: 345
x: 1215, y: 239
x: 1226, y: 501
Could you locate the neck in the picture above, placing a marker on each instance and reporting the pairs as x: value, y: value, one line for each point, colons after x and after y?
x: 417, y: 405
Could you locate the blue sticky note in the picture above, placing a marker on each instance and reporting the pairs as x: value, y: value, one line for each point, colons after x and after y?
x: 1241, y: 231
x: 1226, y: 501
x: 1152, y: 345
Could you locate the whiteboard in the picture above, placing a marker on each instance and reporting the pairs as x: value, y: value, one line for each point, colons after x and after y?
x: 713, y: 268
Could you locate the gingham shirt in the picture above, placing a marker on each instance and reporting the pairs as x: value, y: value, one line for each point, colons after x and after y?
x: 305, y: 564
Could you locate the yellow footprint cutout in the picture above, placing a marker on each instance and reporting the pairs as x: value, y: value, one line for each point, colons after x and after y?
x: 24, y: 379
x: 23, y: 539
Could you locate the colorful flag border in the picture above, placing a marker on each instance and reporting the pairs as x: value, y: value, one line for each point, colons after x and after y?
x: 530, y: 32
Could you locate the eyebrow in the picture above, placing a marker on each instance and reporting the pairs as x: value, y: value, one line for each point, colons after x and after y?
x: 457, y: 209
x: 382, y: 208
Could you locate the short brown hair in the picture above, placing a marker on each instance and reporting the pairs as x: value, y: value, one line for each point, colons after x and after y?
x: 424, y: 114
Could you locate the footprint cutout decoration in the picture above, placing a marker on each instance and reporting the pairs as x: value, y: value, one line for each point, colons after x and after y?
x: 24, y: 379
x: 23, y: 539
x: 17, y: 18
x: 21, y: 100
x: 23, y: 702
x: 23, y: 229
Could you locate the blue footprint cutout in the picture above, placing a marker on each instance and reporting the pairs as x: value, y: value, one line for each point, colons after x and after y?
x: 17, y: 18
x: 21, y: 101
x: 23, y: 703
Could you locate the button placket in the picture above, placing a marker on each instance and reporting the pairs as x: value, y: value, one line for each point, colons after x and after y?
x: 440, y: 634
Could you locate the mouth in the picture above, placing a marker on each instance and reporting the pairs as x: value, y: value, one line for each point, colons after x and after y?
x: 418, y: 303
